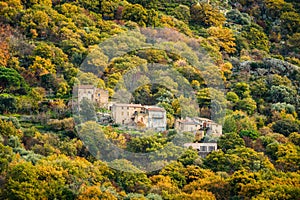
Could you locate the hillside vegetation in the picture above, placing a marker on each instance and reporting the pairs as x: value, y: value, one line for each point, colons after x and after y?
x: 47, y: 47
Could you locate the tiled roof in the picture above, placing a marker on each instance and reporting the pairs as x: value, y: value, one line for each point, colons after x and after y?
x: 101, y: 90
x: 188, y: 122
x: 127, y: 105
x: 85, y: 86
x: 203, y: 119
x: 154, y: 108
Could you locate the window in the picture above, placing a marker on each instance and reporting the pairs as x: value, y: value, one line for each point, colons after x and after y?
x: 98, y: 94
x: 211, y: 148
x: 203, y: 148
x: 122, y: 113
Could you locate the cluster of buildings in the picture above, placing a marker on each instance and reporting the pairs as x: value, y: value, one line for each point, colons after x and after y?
x: 200, y: 127
x: 140, y: 116
x: 198, y: 124
x: 149, y: 117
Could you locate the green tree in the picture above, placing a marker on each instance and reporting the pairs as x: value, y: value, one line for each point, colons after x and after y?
x: 286, y: 126
x: 6, y: 156
x: 12, y: 82
x: 130, y: 179
x: 90, y: 79
x: 182, y: 12
x: 257, y: 39
x: 87, y: 110
x: 55, y: 54
x: 229, y: 125
x: 253, y: 134
x: 22, y: 175
x: 108, y: 8
x: 232, y: 96
x: 242, y: 89
x: 287, y: 108
x: 95, y: 62
x: 282, y: 93
x: 237, y: 159
x: 152, y: 18
x: 175, y: 171
x: 135, y: 13
x: 230, y: 141
x: 294, y: 42
x: 8, y: 103
x: 237, y: 17
x: 290, y: 22
x: 248, y: 105
x: 276, y: 7
x: 146, y: 144
x: 295, y: 138
x: 188, y: 157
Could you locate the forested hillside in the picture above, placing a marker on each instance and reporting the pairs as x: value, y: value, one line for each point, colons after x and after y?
x: 48, y: 47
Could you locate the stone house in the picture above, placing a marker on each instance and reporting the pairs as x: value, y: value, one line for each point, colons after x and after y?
x: 188, y: 125
x: 156, y: 118
x: 139, y: 116
x: 92, y: 93
x: 197, y: 124
x: 214, y: 129
x: 125, y: 113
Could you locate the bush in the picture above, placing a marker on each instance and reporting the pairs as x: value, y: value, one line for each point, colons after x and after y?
x: 249, y: 133
x: 286, y: 127
x: 8, y: 103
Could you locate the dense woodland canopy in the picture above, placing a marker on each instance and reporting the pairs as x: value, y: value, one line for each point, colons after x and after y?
x: 255, y: 46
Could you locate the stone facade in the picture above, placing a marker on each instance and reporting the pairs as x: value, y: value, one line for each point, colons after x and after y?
x: 92, y: 93
x: 197, y: 124
x: 137, y: 115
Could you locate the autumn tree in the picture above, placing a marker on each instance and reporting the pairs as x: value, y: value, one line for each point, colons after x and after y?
x: 135, y: 13
x: 223, y: 37
x: 5, y: 34
x: 205, y: 15
x: 42, y: 66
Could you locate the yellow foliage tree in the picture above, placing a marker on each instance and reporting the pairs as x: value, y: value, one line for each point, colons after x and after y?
x: 42, y: 67
x: 222, y: 37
